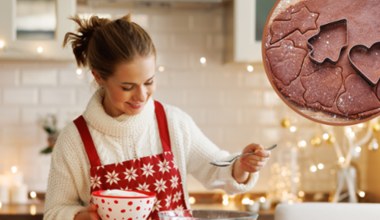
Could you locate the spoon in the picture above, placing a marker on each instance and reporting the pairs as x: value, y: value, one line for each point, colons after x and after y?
x: 226, y: 163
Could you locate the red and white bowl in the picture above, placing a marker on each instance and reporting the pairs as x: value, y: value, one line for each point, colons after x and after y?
x: 123, y: 204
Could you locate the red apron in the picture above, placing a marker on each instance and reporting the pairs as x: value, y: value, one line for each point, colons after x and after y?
x: 156, y: 173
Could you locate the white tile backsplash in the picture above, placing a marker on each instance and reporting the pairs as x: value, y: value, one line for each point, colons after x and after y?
x: 204, y: 97
x: 70, y: 77
x: 166, y: 23
x: 33, y: 115
x: 39, y: 77
x: 58, y: 96
x: 68, y: 114
x: 185, y: 42
x: 215, y: 41
x: 271, y: 98
x: 173, y: 60
x: 161, y: 41
x: 186, y: 80
x: 20, y: 96
x: 212, y: 22
x: 9, y: 115
x: 223, y: 116
x: 9, y: 77
x: 243, y: 97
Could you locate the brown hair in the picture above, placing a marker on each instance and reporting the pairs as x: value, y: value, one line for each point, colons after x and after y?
x: 102, y: 43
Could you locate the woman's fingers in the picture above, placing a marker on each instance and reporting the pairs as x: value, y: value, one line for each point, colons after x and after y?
x: 253, y: 163
x: 256, y: 159
x: 92, y: 212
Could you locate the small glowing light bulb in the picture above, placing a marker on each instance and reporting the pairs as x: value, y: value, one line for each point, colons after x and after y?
x: 79, y: 71
x: 361, y: 194
x: 250, y: 68
x: 247, y: 201
x: 373, y: 145
x: 2, y: 44
x: 302, y: 144
x: 203, y: 60
x: 325, y: 136
x: 225, y: 200
x: 262, y: 199
x: 341, y: 160
x: 14, y: 169
x: 313, y: 168
x: 161, y: 69
x: 321, y: 166
x: 33, y: 195
x: 301, y: 193
x: 358, y: 149
x: 192, y: 200
x: 40, y: 49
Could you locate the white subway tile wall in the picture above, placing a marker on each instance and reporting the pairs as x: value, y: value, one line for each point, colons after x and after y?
x: 232, y: 106
x: 20, y: 96
x: 39, y: 76
x: 9, y: 76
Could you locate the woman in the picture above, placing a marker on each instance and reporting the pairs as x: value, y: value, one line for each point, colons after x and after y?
x: 125, y: 139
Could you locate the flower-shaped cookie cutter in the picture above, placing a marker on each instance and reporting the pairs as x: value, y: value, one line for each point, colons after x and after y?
x: 329, y: 42
x: 366, y: 61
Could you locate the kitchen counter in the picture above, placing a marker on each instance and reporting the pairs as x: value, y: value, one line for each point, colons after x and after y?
x: 263, y: 215
x: 34, y: 211
x: 31, y: 211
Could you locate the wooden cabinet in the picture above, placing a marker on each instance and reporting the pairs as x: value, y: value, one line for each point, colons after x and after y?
x: 26, y: 49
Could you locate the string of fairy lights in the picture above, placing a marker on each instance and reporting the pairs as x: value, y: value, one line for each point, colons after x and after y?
x: 348, y: 143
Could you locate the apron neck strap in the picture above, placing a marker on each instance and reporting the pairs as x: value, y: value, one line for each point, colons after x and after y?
x: 88, y: 143
x: 162, y: 126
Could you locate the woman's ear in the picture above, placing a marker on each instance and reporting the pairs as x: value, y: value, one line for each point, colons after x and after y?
x: 97, y: 77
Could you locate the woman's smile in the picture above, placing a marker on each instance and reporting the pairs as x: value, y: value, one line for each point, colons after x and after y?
x: 136, y: 105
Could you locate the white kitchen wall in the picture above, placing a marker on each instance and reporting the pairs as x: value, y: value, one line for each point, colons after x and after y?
x: 232, y: 106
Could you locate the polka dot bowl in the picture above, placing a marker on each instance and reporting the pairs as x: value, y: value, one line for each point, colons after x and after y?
x: 122, y: 204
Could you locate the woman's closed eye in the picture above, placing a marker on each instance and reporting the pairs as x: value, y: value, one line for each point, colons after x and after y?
x: 127, y: 88
x: 149, y: 82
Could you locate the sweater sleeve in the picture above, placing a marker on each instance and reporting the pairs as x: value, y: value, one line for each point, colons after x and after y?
x: 66, y: 179
x: 200, y: 151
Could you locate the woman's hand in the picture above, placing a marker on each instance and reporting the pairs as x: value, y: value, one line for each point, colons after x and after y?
x: 89, y: 213
x: 251, y: 163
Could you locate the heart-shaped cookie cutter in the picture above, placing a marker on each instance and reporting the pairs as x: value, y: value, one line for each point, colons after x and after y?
x: 371, y: 71
x: 331, y: 26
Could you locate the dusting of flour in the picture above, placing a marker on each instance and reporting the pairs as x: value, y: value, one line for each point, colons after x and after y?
x: 282, y: 5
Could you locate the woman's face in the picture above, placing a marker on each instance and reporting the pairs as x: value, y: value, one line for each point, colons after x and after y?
x: 129, y: 88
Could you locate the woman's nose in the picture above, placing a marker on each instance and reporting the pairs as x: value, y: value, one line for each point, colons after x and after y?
x: 140, y: 94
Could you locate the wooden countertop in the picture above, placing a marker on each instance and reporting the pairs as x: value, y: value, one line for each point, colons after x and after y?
x: 34, y: 211
x: 263, y: 215
x: 31, y: 211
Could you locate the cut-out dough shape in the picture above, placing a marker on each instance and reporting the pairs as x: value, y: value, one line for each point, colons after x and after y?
x: 329, y: 42
x: 302, y: 20
x: 366, y: 61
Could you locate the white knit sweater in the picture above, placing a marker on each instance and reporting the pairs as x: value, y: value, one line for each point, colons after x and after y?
x: 122, y: 138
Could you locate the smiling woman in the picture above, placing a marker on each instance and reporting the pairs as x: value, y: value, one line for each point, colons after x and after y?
x: 127, y: 140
